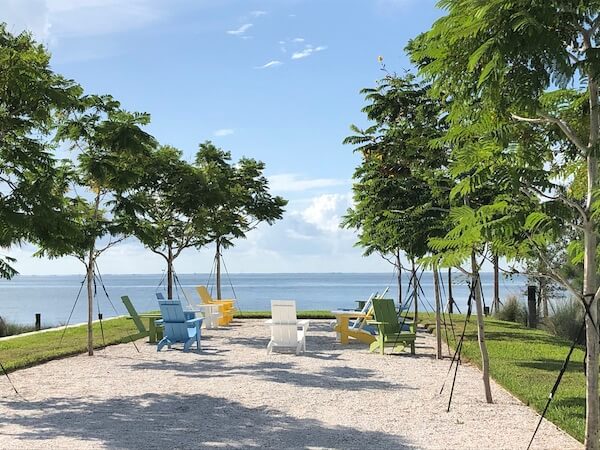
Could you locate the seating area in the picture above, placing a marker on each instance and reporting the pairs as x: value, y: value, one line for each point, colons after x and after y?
x: 378, y: 323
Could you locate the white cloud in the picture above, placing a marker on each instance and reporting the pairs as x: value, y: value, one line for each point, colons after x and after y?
x: 50, y: 20
x: 223, y: 132
x: 308, y: 51
x: 258, y: 13
x: 270, y: 64
x: 298, y: 40
x: 241, y: 30
x: 290, y: 182
x: 325, y: 211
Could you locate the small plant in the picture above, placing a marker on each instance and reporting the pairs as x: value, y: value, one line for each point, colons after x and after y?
x: 512, y: 311
x: 9, y: 328
x: 566, y: 321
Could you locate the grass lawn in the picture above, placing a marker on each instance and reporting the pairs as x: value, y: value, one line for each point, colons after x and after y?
x: 24, y: 351
x: 526, y: 362
x: 308, y: 314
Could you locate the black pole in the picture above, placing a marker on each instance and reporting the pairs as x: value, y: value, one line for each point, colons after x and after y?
x: 450, y: 299
x: 38, y: 321
x: 531, y: 307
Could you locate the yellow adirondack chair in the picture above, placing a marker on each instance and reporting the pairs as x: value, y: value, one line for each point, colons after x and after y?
x: 226, y: 306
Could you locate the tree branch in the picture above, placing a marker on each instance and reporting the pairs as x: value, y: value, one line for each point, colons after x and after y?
x: 567, y: 201
x: 554, y: 274
x: 565, y: 128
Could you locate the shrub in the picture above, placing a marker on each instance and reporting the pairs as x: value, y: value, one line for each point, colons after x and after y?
x: 512, y: 311
x: 9, y: 328
x: 566, y: 320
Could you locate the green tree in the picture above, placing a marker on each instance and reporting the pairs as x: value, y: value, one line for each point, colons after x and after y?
x: 240, y: 199
x: 166, y: 209
x: 31, y: 183
x: 400, y: 189
x: 111, y: 148
x: 516, y: 60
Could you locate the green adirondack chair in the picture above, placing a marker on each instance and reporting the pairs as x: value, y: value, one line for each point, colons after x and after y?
x: 389, y: 333
x: 152, y: 333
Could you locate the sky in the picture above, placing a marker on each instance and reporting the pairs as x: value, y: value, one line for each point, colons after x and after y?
x: 277, y: 81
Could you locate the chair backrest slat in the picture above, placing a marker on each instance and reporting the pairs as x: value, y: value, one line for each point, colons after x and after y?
x: 385, y: 311
x: 284, y: 329
x: 134, y: 315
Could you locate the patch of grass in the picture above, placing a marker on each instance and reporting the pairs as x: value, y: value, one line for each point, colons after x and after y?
x: 566, y: 321
x: 512, y: 311
x: 25, y: 351
x: 309, y: 314
x: 526, y: 362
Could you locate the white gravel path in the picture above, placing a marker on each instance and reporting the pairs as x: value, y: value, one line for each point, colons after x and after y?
x: 234, y: 395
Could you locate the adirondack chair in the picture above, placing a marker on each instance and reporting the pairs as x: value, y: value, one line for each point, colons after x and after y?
x: 177, y: 328
x: 135, y: 317
x: 389, y: 333
x: 151, y: 332
x: 286, y: 330
x: 226, y: 307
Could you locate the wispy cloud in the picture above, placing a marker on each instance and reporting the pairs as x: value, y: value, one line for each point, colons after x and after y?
x: 270, y: 65
x: 223, y: 132
x: 291, y: 182
x: 308, y: 51
x: 241, y: 30
x: 298, y: 40
x: 52, y: 20
x: 258, y: 13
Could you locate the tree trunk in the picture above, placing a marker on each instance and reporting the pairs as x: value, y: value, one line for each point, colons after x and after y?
x: 450, y: 298
x: 90, y: 293
x: 544, y: 294
x: 170, y: 273
x: 218, y: 268
x: 590, y: 284
x: 415, y: 291
x: 496, y: 302
x: 399, y: 266
x: 438, y: 307
x: 485, y: 361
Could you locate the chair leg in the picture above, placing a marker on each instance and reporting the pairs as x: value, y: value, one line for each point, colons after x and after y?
x: 270, y: 347
x: 162, y: 343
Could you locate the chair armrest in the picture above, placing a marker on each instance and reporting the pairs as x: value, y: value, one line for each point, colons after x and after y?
x: 304, y: 324
x: 158, y: 322
x: 375, y: 322
x: 193, y: 321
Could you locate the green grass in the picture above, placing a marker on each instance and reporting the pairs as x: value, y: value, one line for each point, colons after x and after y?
x: 309, y: 314
x: 24, y: 351
x: 526, y: 362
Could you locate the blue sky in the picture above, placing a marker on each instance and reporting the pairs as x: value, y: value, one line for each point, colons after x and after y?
x: 274, y: 80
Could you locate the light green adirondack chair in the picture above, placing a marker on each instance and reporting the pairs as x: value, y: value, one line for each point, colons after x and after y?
x: 389, y: 333
x: 152, y: 333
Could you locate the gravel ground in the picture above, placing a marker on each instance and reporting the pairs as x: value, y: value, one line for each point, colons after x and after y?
x: 234, y: 395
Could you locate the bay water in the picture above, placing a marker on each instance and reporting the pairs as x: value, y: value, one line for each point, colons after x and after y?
x: 54, y: 297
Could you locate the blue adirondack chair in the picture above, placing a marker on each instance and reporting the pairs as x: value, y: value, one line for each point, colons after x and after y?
x: 177, y: 328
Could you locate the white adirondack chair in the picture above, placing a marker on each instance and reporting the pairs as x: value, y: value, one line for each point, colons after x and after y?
x: 286, y: 330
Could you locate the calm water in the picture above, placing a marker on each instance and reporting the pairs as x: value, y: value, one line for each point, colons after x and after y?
x: 54, y: 296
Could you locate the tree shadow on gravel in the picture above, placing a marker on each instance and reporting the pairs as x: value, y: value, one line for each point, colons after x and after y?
x: 338, y: 378
x: 153, y: 421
